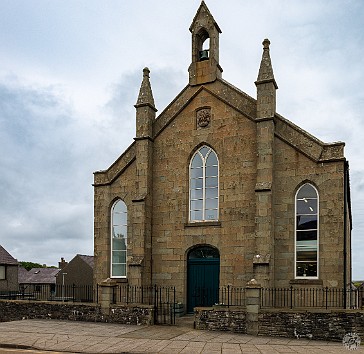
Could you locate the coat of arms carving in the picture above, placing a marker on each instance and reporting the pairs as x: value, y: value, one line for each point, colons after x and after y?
x: 203, y: 117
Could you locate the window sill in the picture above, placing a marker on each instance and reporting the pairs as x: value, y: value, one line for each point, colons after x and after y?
x: 203, y: 224
x: 308, y: 281
x: 120, y: 280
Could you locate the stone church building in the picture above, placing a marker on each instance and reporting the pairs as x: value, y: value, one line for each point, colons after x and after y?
x: 219, y: 189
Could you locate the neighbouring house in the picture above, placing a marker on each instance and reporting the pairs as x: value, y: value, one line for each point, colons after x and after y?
x: 220, y: 189
x: 78, y: 271
x: 39, y: 283
x: 8, y: 271
x: 77, y: 276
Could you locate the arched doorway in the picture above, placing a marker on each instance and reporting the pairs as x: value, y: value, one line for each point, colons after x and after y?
x: 203, y: 270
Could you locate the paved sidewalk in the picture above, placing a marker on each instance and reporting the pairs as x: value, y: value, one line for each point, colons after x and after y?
x: 90, y: 337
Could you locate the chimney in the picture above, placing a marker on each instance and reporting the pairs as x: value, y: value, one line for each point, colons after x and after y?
x: 62, y: 263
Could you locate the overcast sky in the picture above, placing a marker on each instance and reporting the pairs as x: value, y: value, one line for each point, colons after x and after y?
x: 70, y: 73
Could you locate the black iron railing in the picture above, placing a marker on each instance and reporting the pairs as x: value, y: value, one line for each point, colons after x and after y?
x: 163, y: 298
x: 292, y: 297
x: 52, y: 292
x: 232, y: 296
x: 311, y: 297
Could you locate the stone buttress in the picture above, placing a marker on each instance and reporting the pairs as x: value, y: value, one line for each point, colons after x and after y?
x: 264, y: 221
x: 140, y: 262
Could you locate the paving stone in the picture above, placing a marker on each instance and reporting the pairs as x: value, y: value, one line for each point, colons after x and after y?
x: 212, y: 342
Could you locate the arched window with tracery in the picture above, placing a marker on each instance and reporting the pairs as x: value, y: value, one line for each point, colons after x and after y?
x: 204, y: 185
x: 307, y: 232
x: 119, y: 231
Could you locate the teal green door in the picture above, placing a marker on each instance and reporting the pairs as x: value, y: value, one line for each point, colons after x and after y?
x: 203, y: 270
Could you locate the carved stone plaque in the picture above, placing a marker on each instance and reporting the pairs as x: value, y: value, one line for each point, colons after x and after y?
x: 203, y: 117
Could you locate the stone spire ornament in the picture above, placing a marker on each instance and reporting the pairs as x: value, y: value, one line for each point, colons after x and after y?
x: 145, y: 97
x: 145, y: 108
x: 266, y: 86
x: 266, y: 70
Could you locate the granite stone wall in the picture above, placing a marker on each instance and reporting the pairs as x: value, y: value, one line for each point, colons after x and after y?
x: 322, y: 325
x: 223, y: 319
x: 318, y: 325
x: 21, y: 310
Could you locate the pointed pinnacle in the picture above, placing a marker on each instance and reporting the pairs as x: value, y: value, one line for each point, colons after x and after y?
x: 266, y: 70
x: 145, y: 97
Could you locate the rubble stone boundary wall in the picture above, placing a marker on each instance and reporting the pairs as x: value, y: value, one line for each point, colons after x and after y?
x: 13, y: 310
x: 314, y: 324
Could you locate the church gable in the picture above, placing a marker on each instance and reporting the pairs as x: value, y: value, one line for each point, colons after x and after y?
x: 220, y: 90
x: 148, y: 126
x: 206, y: 118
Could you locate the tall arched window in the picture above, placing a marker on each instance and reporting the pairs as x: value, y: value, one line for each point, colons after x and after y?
x: 119, y: 226
x: 204, y: 185
x: 307, y: 211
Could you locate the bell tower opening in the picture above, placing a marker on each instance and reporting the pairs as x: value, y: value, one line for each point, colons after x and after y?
x: 203, y: 45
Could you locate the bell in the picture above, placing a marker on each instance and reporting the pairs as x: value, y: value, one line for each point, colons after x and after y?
x: 204, y: 54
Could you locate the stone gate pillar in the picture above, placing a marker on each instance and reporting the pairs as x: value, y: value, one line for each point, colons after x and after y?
x: 252, y: 298
x: 107, y: 295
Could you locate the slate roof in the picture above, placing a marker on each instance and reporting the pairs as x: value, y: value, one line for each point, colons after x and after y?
x: 87, y: 259
x: 38, y: 276
x: 22, y: 275
x: 6, y: 258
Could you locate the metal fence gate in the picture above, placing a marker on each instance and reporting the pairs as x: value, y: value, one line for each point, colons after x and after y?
x: 163, y: 299
x: 164, y: 305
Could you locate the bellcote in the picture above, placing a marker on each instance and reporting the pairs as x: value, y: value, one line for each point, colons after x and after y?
x: 145, y: 108
x: 205, y: 31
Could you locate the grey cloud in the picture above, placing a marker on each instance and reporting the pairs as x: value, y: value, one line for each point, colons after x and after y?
x: 48, y: 160
x: 43, y: 196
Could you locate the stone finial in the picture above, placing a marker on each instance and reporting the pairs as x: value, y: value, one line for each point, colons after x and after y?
x: 266, y: 70
x: 146, y: 72
x: 145, y: 97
